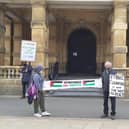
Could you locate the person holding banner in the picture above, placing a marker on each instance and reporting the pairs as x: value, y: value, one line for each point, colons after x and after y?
x: 39, y: 100
x: 26, y: 75
x: 105, y: 85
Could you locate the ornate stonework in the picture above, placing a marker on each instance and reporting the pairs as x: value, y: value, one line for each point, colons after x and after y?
x: 50, y: 23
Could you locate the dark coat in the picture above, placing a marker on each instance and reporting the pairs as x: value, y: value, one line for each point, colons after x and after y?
x: 26, y: 73
x: 105, y: 79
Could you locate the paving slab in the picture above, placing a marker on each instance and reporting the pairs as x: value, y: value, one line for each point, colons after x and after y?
x: 61, y: 123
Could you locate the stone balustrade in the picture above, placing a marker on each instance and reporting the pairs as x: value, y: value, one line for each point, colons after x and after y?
x: 10, y: 72
x: 10, y: 80
x: 13, y: 72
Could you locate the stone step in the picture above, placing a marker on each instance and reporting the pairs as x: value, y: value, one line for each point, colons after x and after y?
x: 77, y: 92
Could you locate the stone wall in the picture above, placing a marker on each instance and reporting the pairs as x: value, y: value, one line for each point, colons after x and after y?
x: 10, y: 87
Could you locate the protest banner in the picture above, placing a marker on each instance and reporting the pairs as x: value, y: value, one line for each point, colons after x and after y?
x: 68, y: 84
x: 116, y: 86
x: 28, y: 50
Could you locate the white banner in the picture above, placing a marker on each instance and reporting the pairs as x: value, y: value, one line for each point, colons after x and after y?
x: 116, y: 86
x: 28, y: 50
x: 68, y: 84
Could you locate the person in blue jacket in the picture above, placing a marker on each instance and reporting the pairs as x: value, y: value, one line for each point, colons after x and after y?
x: 39, y: 100
x: 105, y: 86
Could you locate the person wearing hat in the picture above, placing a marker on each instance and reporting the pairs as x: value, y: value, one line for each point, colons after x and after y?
x: 39, y: 100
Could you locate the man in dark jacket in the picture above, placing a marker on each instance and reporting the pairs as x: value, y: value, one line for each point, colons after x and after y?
x: 55, y: 70
x: 26, y: 75
x: 105, y: 85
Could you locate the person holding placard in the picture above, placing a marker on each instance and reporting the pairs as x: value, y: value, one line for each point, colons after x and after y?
x: 26, y: 72
x: 105, y: 85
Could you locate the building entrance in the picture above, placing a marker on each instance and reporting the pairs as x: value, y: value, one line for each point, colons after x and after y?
x: 82, y: 52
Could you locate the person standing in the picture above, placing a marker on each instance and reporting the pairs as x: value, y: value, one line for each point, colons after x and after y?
x: 105, y: 85
x: 26, y: 75
x: 53, y: 75
x: 55, y: 70
x: 39, y: 100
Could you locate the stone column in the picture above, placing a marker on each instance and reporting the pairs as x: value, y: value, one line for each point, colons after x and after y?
x: 99, y: 47
x: 38, y: 27
x: 7, y: 55
x: 17, y: 37
x: 119, y: 28
x: 2, y: 37
x: 108, y: 50
x: 60, y: 41
x: 53, y: 43
x: 47, y: 52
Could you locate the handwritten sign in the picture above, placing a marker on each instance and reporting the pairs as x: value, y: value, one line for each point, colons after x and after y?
x: 28, y: 50
x: 116, y: 85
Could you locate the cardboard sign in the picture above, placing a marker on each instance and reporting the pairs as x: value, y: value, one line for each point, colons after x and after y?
x: 28, y: 50
x: 116, y: 86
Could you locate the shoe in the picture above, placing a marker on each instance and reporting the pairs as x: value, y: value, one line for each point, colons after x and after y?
x: 37, y: 115
x: 46, y: 113
x: 104, y: 116
x: 23, y: 97
x: 113, y: 117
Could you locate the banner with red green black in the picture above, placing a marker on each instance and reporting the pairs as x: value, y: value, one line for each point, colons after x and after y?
x: 68, y: 84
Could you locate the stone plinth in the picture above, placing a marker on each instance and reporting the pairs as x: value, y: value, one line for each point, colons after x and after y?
x: 10, y: 87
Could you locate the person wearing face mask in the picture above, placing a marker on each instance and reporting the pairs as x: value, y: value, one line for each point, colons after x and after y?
x: 105, y: 86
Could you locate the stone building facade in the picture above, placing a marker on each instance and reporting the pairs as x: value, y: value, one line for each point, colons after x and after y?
x: 73, y: 32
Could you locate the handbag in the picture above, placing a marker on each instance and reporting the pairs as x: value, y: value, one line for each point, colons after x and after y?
x: 31, y: 93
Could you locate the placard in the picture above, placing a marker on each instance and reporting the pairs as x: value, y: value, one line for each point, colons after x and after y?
x: 116, y: 86
x: 28, y: 50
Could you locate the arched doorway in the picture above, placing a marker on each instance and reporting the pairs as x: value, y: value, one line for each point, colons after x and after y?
x: 82, y: 52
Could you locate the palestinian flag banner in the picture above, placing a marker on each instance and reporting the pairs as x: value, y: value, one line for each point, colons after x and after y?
x: 66, y: 84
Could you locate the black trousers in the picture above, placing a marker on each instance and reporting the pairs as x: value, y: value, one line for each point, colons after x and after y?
x: 24, y: 87
x: 113, y: 104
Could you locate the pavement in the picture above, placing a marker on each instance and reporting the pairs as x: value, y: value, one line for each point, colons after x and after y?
x: 61, y: 123
x: 67, y: 113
